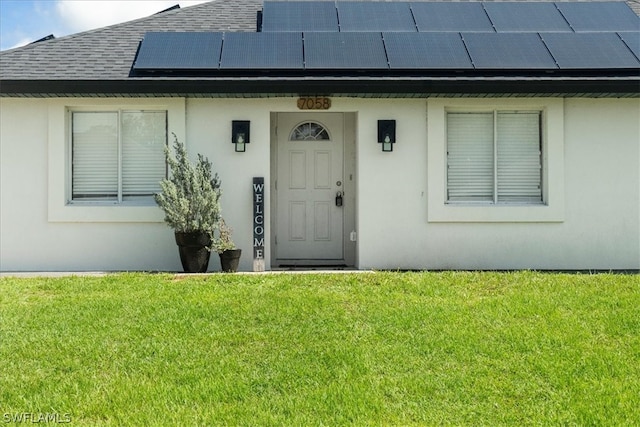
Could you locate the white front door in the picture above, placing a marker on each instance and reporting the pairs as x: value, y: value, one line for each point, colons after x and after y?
x: 310, y: 219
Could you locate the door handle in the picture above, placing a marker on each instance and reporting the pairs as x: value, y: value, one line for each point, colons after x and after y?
x: 339, y: 198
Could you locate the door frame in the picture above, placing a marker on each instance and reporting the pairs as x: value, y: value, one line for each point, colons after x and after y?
x: 349, y: 235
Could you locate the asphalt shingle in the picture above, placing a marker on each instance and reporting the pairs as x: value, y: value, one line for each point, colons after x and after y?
x: 108, y: 53
x: 100, y: 61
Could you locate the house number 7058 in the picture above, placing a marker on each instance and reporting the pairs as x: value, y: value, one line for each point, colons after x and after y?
x: 314, y: 103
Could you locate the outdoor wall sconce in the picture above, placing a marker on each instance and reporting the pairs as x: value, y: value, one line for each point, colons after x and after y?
x: 387, y: 134
x: 240, y: 134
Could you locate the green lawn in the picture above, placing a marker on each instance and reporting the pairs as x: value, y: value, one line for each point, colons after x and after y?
x: 310, y: 349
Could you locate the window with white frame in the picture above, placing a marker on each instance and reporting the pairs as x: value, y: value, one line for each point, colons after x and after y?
x: 117, y: 156
x: 494, y: 157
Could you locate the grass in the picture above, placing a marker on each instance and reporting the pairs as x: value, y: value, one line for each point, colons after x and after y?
x: 356, y: 349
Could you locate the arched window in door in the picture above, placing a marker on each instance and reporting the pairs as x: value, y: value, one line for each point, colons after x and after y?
x: 309, y: 131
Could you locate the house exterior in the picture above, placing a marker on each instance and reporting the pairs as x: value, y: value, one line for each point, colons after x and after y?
x: 513, y: 145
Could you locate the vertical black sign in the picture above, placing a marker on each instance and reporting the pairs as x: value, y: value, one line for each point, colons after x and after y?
x: 258, y: 222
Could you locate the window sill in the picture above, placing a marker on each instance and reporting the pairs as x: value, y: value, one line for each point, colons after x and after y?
x: 144, y: 202
x: 101, y: 212
x: 492, y: 204
x: 495, y: 213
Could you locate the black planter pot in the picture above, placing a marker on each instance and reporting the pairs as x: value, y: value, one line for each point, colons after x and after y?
x: 230, y: 259
x: 194, y: 254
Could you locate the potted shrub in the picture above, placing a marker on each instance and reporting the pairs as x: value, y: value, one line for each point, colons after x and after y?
x: 229, y: 254
x: 190, y: 199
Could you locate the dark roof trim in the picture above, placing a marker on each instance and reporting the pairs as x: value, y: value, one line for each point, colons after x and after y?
x: 44, y: 39
x: 174, y: 7
x: 622, y: 86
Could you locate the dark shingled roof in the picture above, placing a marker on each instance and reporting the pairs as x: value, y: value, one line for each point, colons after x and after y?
x: 107, y: 53
x: 99, y: 62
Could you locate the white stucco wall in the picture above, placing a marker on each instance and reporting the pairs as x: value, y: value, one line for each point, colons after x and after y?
x: 593, y: 222
x: 35, y: 234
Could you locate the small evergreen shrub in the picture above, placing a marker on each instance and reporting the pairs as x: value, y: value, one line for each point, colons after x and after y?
x: 223, y: 242
x: 190, y: 197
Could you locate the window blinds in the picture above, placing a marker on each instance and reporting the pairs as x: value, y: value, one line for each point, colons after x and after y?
x: 519, y: 162
x: 494, y: 157
x: 144, y: 136
x: 95, y: 155
x: 470, y: 174
x: 117, y: 155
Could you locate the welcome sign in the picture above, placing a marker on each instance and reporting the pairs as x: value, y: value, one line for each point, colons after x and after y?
x: 258, y: 224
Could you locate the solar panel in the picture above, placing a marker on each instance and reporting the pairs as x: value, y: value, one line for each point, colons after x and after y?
x: 344, y: 51
x: 179, y: 51
x: 444, y: 16
x: 530, y: 16
x: 380, y: 16
x: 262, y: 51
x: 508, y: 50
x: 426, y: 50
x: 589, y: 50
x: 632, y: 40
x: 299, y: 16
x: 600, y: 16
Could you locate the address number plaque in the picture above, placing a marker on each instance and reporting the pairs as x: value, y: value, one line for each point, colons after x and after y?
x: 314, y: 103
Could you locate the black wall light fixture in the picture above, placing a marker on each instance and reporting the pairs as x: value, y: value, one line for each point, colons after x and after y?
x: 240, y: 134
x: 387, y: 134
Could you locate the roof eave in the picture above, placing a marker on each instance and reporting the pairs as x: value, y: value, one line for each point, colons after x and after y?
x: 628, y: 86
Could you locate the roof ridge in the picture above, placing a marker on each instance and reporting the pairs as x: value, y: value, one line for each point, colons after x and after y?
x: 157, y: 15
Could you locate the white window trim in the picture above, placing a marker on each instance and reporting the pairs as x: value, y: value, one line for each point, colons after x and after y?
x: 552, y: 209
x: 60, y: 208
